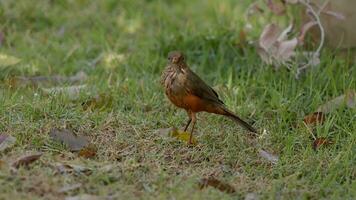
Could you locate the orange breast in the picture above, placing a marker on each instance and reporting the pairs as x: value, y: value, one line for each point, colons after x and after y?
x: 194, y: 103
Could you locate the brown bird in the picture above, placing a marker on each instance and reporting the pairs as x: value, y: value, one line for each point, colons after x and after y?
x: 186, y: 90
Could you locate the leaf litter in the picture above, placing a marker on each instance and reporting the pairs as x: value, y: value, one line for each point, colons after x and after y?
x: 178, y: 134
x: 217, y: 184
x: 26, y: 160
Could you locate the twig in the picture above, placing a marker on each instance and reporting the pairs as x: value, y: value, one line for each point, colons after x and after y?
x: 316, y: 54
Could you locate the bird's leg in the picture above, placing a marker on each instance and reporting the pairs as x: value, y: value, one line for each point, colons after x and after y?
x: 189, y: 120
x: 194, y: 119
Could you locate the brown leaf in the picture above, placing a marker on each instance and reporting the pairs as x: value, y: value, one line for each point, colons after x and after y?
x: 213, y: 182
x: 6, y: 141
x: 269, y: 36
x: 88, y: 152
x: 26, y: 160
x: 276, y: 6
x: 268, y: 156
x: 348, y: 99
x: 305, y: 29
x: 74, y: 142
x: 314, y: 118
x: 286, y: 49
x: 318, y: 142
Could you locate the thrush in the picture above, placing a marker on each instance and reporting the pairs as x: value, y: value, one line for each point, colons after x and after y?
x: 187, y: 90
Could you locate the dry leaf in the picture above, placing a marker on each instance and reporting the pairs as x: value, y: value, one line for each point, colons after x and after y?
x: 88, y: 152
x: 268, y: 156
x: 183, y: 136
x: 65, y: 168
x: 318, y: 142
x: 213, y: 182
x: 7, y: 60
x: 314, y: 118
x: 69, y: 188
x: 72, y: 92
x: 348, y: 99
x: 6, y: 141
x: 26, y: 160
x: 74, y: 142
x: 286, y: 50
x: 269, y: 36
x: 98, y: 101
x: 276, y: 6
x: 305, y: 28
x: 274, y: 48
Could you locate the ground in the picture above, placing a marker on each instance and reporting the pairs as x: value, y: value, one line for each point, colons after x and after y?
x: 122, y: 47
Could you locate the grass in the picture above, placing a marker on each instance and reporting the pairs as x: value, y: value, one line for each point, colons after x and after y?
x: 122, y: 46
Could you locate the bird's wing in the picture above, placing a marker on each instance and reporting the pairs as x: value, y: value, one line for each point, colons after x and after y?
x: 200, y: 88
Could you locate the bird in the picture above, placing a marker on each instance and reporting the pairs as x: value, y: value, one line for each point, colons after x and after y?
x: 186, y: 90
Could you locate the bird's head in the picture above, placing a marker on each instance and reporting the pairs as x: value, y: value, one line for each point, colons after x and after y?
x: 176, y: 57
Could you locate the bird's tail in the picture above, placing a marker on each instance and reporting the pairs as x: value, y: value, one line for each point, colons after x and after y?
x: 237, y: 119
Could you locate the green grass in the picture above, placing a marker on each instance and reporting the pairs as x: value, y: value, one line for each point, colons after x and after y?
x: 64, y: 37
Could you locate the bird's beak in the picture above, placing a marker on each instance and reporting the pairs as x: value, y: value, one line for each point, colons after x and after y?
x: 175, y: 60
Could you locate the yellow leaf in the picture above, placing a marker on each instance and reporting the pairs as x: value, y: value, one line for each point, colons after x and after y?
x: 183, y: 136
x: 6, y: 60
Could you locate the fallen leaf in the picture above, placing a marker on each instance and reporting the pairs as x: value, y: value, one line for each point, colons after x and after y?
x: 22, y: 81
x: 98, y: 101
x: 286, y: 50
x: 213, y: 182
x: 183, y: 136
x: 318, y: 142
x: 314, y: 118
x: 65, y: 168
x: 88, y: 152
x: 69, y: 188
x: 276, y: 6
x: 6, y: 141
x: 74, y: 142
x: 269, y: 36
x: 284, y: 35
x: 84, y: 197
x: 268, y: 156
x: 274, y: 46
x: 72, y: 92
x: 305, y: 28
x: 348, y: 99
x: 26, y: 160
x: 7, y: 60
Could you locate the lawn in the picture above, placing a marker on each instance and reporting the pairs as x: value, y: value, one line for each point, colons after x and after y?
x: 122, y: 47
